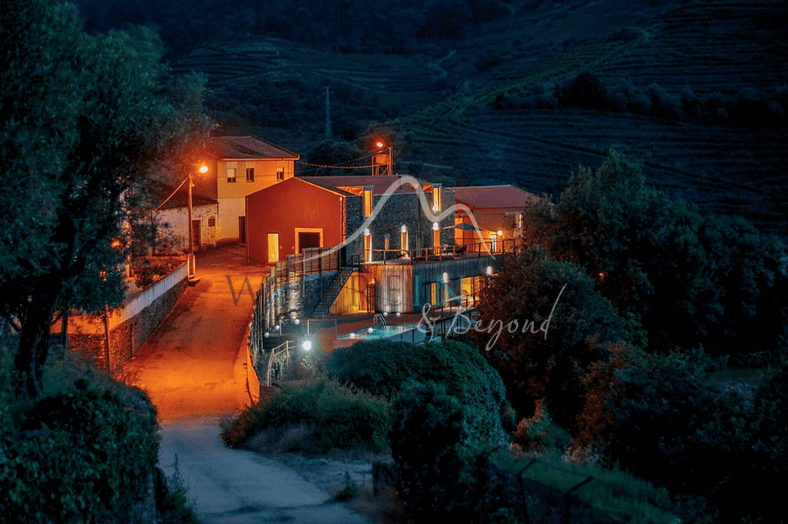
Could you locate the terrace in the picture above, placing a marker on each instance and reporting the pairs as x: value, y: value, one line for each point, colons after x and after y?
x: 334, y: 304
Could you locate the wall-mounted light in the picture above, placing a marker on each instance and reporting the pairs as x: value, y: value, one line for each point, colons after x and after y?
x: 367, y: 232
x: 445, y: 277
x: 203, y: 169
x: 404, y: 229
x: 500, y: 233
x: 306, y: 345
x: 489, y: 270
x: 435, y: 226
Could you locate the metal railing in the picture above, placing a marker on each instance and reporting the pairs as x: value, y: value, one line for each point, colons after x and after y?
x: 281, y: 363
x: 440, y: 253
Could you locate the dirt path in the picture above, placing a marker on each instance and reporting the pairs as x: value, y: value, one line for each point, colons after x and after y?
x: 227, y: 486
x: 193, y: 369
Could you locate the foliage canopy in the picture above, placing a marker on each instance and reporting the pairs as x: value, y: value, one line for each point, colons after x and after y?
x: 85, y: 118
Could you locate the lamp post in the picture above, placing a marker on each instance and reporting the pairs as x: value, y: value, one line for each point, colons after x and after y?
x: 191, y: 264
x: 389, y: 162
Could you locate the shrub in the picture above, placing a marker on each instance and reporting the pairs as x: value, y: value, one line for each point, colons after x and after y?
x: 663, y: 105
x: 383, y: 368
x: 342, y: 417
x: 442, y: 475
x: 584, y: 90
x: 80, y: 456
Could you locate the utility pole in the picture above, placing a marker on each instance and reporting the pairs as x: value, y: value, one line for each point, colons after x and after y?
x: 328, y: 113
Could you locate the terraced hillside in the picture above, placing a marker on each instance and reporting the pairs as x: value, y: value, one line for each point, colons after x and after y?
x: 287, y: 81
x: 708, y: 47
x: 442, y: 103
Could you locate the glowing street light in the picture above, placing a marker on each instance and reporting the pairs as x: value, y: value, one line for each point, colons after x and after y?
x: 306, y: 345
x: 375, y: 171
x: 190, y: 261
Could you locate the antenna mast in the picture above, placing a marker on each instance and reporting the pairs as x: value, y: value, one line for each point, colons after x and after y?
x: 328, y: 113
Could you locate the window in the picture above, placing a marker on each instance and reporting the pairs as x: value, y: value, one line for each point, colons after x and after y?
x: 493, y: 242
x: 367, y: 246
x: 436, y: 198
x: 280, y: 173
x: 403, y: 239
x: 212, y: 222
x: 367, y: 201
x: 250, y: 174
x: 231, y: 175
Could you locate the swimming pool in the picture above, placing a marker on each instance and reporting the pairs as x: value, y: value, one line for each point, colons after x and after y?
x: 379, y: 332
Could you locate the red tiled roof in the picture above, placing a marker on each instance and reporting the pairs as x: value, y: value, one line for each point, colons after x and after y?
x: 492, y: 196
x: 379, y: 184
x: 243, y: 147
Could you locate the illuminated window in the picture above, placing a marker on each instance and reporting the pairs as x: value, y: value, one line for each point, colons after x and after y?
x: 250, y: 174
x: 231, y: 175
x: 280, y: 173
x: 403, y: 239
x: 436, y: 237
x: 436, y: 198
x: 493, y: 242
x: 367, y: 245
x: 520, y: 220
x: 367, y: 201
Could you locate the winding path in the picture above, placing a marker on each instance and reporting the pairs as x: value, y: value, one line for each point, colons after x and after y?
x: 193, y: 369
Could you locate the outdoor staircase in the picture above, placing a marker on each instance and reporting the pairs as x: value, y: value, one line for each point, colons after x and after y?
x: 332, y: 292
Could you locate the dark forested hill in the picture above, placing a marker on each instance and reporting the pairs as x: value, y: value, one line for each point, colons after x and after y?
x: 481, y: 91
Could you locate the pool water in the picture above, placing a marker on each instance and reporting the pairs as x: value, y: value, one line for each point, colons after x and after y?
x: 379, y: 332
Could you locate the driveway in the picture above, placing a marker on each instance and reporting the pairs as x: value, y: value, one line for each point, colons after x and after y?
x: 194, y: 363
x: 193, y: 369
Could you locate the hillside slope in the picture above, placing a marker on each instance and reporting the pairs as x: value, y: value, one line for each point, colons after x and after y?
x: 696, y: 92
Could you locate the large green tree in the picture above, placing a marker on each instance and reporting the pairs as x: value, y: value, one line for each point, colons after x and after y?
x: 543, y: 327
x: 83, y: 121
x: 689, y: 278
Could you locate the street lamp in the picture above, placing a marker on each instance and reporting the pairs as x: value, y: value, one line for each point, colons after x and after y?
x: 190, y: 261
x: 381, y: 145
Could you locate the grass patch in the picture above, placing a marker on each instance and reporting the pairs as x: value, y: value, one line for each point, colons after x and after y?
x: 351, y: 489
x: 317, y: 417
x: 618, y: 494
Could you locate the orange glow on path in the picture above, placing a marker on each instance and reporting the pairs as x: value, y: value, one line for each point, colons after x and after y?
x: 194, y: 364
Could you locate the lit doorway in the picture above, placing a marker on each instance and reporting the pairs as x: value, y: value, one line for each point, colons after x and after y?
x: 273, y: 248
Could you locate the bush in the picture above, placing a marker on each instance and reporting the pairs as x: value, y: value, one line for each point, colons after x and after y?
x: 79, y: 456
x: 383, y: 368
x: 584, y: 90
x: 442, y: 473
x: 341, y: 417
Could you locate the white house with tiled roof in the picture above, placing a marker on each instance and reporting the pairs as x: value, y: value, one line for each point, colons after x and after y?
x: 239, y: 166
x: 498, y: 211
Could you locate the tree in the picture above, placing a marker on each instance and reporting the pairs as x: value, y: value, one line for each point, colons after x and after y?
x: 544, y: 326
x: 688, y: 278
x: 675, y: 426
x: 84, y: 119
